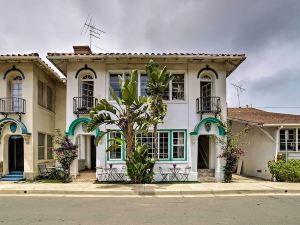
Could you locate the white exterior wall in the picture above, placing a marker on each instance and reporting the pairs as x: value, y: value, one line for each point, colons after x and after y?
x: 259, y: 150
x: 181, y: 115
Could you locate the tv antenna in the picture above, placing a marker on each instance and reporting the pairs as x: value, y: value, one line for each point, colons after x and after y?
x: 239, y: 90
x: 93, y: 31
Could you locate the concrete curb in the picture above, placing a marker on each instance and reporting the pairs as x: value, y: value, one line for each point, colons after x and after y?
x: 147, y: 193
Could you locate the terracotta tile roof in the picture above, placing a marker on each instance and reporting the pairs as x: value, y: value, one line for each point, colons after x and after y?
x: 261, y: 117
x: 32, y: 56
x: 13, y: 55
x: 146, y: 54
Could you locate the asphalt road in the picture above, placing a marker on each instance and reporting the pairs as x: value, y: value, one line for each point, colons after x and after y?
x: 275, y: 210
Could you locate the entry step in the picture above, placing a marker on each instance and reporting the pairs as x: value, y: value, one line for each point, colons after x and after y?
x: 13, y: 176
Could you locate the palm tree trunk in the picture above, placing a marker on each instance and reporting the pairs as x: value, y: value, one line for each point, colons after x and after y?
x: 155, y: 141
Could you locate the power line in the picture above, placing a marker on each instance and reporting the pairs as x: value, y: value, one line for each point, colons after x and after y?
x: 102, y: 48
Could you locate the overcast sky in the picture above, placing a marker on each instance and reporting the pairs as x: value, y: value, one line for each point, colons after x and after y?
x: 267, y: 31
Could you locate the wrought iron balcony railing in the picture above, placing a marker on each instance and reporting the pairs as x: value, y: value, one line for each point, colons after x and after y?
x: 208, y: 105
x: 12, y: 105
x: 82, y: 105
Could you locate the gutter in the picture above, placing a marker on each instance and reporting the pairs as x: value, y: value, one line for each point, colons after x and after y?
x: 282, y: 125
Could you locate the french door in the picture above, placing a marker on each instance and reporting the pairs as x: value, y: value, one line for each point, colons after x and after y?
x: 206, y: 94
x: 16, y: 95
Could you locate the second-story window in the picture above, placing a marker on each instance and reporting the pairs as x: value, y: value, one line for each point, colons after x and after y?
x: 143, y: 83
x: 45, y: 96
x: 178, y: 87
x: 86, y: 91
x: 16, y: 94
x: 176, y: 90
x: 40, y: 93
x: 206, y: 92
x: 115, y: 84
x: 49, y: 98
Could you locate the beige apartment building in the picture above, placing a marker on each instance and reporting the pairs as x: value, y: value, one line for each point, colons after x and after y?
x: 32, y: 106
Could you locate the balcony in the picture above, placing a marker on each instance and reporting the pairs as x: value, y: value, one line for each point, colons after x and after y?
x: 12, y: 105
x: 83, y: 105
x: 208, y: 105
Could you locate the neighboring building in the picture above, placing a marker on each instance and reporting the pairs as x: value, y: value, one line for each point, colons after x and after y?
x: 32, y: 105
x: 269, y: 134
x: 196, y: 105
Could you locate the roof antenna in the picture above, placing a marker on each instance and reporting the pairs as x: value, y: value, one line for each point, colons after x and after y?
x: 239, y: 90
x: 89, y: 26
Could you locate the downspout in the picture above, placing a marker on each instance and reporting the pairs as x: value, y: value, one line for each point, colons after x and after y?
x: 277, y: 143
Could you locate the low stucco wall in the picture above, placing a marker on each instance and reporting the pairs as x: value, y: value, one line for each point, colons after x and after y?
x: 259, y: 150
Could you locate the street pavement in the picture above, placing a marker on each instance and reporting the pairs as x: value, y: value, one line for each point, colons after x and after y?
x: 256, y: 210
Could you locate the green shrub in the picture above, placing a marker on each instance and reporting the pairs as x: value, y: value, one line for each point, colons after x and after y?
x: 286, y: 172
x: 140, y: 168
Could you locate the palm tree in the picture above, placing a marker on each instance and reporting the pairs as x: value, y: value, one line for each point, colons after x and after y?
x: 129, y: 114
x: 157, y: 85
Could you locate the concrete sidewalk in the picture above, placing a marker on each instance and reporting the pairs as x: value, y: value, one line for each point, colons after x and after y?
x: 79, y: 188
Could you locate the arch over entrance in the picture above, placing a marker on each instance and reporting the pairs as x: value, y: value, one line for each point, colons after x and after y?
x: 214, y: 120
x: 207, y: 68
x: 14, y: 125
x: 76, y: 122
x: 86, y: 68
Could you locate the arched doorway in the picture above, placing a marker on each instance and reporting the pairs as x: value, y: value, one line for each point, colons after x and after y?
x: 16, y: 153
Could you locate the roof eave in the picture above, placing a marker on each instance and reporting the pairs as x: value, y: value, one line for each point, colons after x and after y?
x: 282, y: 124
x: 236, y: 66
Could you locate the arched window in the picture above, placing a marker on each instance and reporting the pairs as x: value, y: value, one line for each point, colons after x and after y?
x: 86, y: 90
x: 16, y: 92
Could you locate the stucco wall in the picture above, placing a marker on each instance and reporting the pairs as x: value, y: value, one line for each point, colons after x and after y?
x: 259, y: 150
x: 181, y: 114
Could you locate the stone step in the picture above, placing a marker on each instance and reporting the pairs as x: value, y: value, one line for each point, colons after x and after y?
x: 206, y: 174
x: 206, y: 170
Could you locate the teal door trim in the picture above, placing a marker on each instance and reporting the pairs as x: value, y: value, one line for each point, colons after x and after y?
x: 214, y: 120
x: 76, y: 122
x: 19, y: 124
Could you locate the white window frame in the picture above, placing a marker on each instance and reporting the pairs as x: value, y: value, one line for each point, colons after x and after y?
x: 19, y: 83
x: 45, y: 146
x: 211, y: 80
x: 170, y: 100
x: 285, y: 141
x: 139, y: 81
x: 122, y: 150
x: 123, y: 72
x: 174, y: 72
x: 169, y: 143
x: 178, y: 145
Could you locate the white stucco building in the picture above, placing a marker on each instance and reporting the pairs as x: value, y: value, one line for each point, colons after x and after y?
x: 269, y: 134
x: 196, y: 105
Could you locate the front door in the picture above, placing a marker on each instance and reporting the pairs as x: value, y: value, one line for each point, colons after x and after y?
x: 93, y: 153
x: 16, y: 153
x: 203, y: 152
